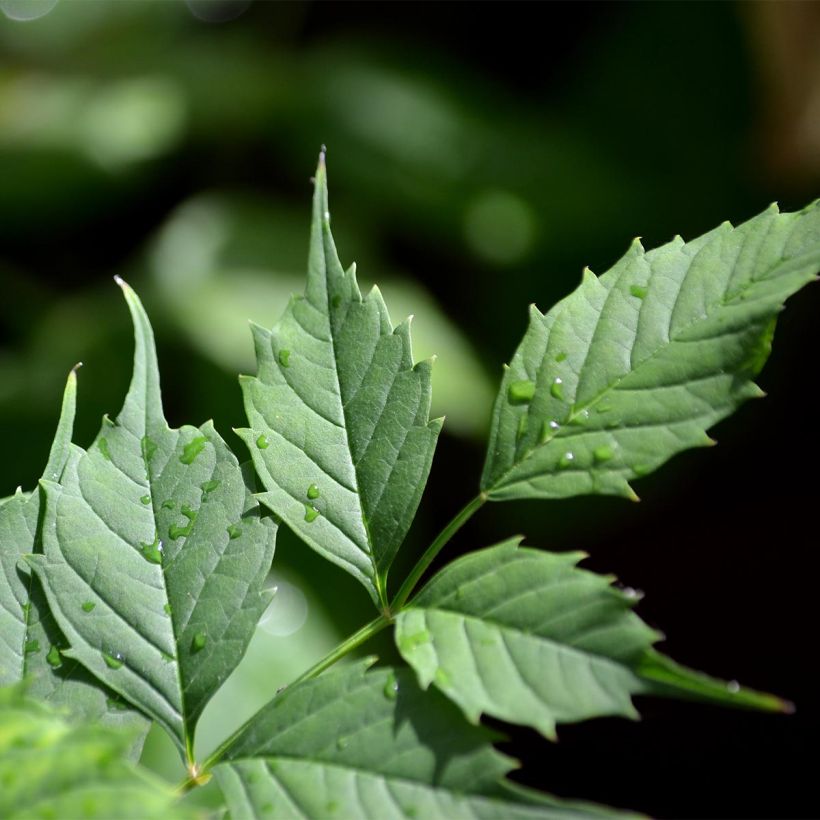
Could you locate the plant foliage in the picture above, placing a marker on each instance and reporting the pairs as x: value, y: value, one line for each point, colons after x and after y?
x: 133, y: 576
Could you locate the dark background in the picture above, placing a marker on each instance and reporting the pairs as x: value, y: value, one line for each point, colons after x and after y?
x: 485, y: 153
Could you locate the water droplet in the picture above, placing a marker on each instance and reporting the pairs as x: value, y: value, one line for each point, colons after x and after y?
x: 566, y: 460
x: 168, y: 504
x: 554, y: 425
x: 262, y: 442
x: 560, y: 357
x: 638, y: 291
x: 88, y: 606
x: 284, y: 358
x: 146, y: 499
x: 311, y: 513
x: 632, y: 594
x: 641, y: 469
x: 442, y: 678
x: 732, y: 687
x: 521, y: 392
x: 313, y: 491
x: 32, y: 647
x: 54, y: 657
x: 167, y: 609
x: 152, y: 552
x: 580, y: 418
x: 199, y: 641
x: 522, y: 427
x: 407, y: 643
x: 26, y: 609
x: 149, y: 447
x: 114, y: 661
x: 210, y: 486
x: 603, y: 453
x: 176, y: 531
x: 103, y: 446
x: 391, y: 687
x: 556, y: 390
x: 327, y: 216
x: 192, y: 449
x: 234, y: 531
x: 116, y: 703
x: 341, y: 743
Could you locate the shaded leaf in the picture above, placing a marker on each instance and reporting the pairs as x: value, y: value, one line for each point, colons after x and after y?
x: 339, y: 430
x: 636, y: 365
x: 525, y: 636
x: 155, y: 553
x: 354, y: 743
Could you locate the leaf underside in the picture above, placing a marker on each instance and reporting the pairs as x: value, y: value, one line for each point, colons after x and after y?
x: 31, y: 643
x: 154, y: 554
x: 339, y: 416
x: 354, y: 743
x: 636, y: 365
x: 527, y: 637
x: 50, y: 768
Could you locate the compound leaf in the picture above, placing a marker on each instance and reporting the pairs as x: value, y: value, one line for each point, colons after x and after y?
x: 636, y: 365
x: 154, y: 554
x: 31, y: 644
x: 51, y: 768
x: 338, y: 413
x: 525, y: 636
x: 354, y: 743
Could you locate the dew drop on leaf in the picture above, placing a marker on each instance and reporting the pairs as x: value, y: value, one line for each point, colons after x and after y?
x: 566, y: 460
x: 341, y: 743
x: 152, y: 552
x: 262, y: 442
x: 87, y: 606
x: 114, y: 661
x: 168, y: 504
x: 556, y: 389
x: 284, y: 358
x: 521, y: 392
x: 199, y: 641
x: 311, y: 513
x: 103, y: 445
x: 442, y: 678
x: 54, y: 658
x: 234, y: 531
x: 560, y: 357
x: 192, y: 449
x: 149, y: 447
x: 603, y: 453
x: 146, y: 499
x: 313, y: 491
x: 638, y: 291
x: 167, y: 609
x: 210, y: 486
x: 32, y: 646
x: 391, y: 687
x: 732, y: 687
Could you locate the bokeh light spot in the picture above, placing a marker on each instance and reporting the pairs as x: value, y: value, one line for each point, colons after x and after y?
x: 287, y: 612
x: 25, y: 10
x: 499, y: 227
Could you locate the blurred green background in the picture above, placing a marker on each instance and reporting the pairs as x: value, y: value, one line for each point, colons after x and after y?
x: 479, y: 156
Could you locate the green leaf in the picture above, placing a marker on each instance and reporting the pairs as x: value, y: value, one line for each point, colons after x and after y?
x: 31, y: 644
x: 636, y: 365
x: 354, y: 743
x: 50, y: 768
x: 155, y: 553
x: 338, y: 413
x: 525, y: 636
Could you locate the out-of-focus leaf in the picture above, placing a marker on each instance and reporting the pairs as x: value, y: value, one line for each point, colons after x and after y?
x: 50, y: 768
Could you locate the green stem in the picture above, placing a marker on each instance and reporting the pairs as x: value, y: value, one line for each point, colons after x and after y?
x: 433, y: 550
x: 344, y: 648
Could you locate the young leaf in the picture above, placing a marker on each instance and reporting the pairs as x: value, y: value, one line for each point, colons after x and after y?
x: 31, y: 644
x: 354, y: 743
x: 525, y: 636
x: 155, y: 553
x: 50, y: 768
x: 636, y: 365
x: 338, y: 413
